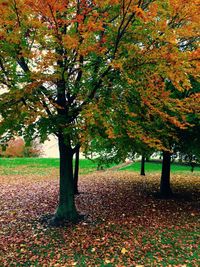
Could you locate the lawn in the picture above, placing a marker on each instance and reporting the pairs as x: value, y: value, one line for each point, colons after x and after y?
x: 9, y: 166
x: 157, y: 166
x: 126, y: 225
x: 42, y: 166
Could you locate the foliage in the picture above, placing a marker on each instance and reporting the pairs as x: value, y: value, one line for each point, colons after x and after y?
x: 69, y: 65
x: 116, y: 150
x: 16, y: 147
x: 131, y: 48
x: 141, y: 231
x: 187, y: 148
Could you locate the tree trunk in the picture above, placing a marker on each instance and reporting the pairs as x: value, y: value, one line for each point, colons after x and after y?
x: 66, y: 209
x: 76, y: 171
x: 165, y: 189
x: 142, y: 171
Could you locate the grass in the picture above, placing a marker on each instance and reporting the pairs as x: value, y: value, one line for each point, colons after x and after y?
x: 157, y: 166
x: 43, y: 162
x: 43, y: 166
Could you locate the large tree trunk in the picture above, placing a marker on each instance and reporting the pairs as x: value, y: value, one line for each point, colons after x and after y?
x: 165, y: 189
x: 142, y: 171
x: 66, y: 208
x: 76, y: 171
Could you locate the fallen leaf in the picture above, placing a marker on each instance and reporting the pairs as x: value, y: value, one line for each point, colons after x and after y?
x: 123, y: 251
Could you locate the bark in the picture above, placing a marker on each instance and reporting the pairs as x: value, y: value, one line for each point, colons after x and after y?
x: 142, y: 171
x: 165, y: 189
x: 66, y: 209
x: 76, y: 171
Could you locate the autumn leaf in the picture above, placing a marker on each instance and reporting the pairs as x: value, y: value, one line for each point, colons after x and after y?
x: 124, y: 251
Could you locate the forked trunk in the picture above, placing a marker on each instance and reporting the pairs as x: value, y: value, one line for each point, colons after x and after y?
x: 66, y: 208
x: 165, y: 189
x: 142, y: 171
x: 76, y: 171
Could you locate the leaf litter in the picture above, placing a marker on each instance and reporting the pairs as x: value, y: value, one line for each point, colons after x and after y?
x: 125, y: 226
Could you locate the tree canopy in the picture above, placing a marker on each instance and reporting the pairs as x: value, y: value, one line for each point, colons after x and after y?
x: 65, y: 62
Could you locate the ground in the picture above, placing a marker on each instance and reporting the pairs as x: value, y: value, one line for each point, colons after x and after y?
x: 126, y: 224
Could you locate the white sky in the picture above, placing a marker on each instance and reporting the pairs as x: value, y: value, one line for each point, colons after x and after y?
x: 50, y: 148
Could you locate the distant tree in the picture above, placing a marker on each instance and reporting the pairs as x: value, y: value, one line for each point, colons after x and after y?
x: 33, y: 149
x: 17, y: 147
x: 142, y: 171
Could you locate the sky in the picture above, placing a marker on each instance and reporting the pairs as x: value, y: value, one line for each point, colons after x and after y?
x: 50, y: 148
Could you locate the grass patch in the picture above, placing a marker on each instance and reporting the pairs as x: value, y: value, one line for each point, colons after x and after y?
x: 31, y: 162
x: 41, y: 166
x: 157, y: 166
x: 41, y: 162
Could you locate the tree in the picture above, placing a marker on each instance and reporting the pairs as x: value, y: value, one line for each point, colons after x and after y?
x: 64, y: 62
x: 186, y: 140
x: 188, y: 146
x: 17, y: 147
x: 165, y: 189
x: 49, y: 52
x: 142, y: 171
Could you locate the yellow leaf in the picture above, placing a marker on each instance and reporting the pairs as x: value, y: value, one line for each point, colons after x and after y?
x: 123, y: 251
x: 70, y: 42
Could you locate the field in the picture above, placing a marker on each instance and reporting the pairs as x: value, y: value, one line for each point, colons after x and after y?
x: 126, y: 224
x: 47, y: 165
x: 38, y: 165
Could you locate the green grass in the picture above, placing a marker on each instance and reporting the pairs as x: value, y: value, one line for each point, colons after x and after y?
x: 157, y: 166
x: 45, y: 165
x: 41, y: 166
x: 41, y: 162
